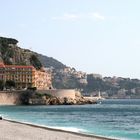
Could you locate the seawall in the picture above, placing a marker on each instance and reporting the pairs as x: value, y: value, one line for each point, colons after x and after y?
x: 13, y: 97
x: 9, y: 98
x: 60, y: 93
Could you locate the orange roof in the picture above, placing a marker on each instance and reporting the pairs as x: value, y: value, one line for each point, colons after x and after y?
x: 15, y: 66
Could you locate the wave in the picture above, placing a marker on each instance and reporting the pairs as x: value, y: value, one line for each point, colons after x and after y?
x: 70, y: 129
x: 65, y: 129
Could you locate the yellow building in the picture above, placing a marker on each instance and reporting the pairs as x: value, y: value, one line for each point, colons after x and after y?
x: 25, y: 76
x: 42, y: 79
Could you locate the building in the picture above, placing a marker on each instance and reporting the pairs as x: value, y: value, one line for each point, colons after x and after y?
x: 25, y: 76
x: 43, y: 79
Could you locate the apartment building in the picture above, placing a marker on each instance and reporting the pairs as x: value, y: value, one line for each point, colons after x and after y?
x: 25, y: 76
x: 43, y: 79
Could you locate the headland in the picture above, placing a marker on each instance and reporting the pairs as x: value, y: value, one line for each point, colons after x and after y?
x: 44, y: 97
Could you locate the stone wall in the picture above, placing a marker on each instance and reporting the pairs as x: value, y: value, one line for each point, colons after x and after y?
x: 12, y: 98
x: 7, y: 98
x: 61, y: 93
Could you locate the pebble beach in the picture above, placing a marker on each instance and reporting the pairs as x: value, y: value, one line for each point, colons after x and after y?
x: 10, y: 130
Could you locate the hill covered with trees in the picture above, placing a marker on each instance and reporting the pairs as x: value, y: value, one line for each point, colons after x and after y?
x: 66, y: 77
x: 12, y: 54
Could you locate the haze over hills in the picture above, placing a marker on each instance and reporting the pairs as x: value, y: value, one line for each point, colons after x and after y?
x: 66, y: 77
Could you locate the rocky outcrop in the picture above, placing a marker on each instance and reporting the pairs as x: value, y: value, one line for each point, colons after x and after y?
x: 60, y: 101
x: 34, y: 98
x: 11, y: 53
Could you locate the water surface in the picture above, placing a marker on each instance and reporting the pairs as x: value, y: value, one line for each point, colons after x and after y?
x: 112, y: 118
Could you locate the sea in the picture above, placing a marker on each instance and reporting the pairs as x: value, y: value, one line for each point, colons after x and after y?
x: 113, y: 118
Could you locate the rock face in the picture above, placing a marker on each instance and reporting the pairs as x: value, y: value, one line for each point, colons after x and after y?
x: 45, y: 99
x: 60, y: 101
x: 11, y: 54
x: 34, y: 98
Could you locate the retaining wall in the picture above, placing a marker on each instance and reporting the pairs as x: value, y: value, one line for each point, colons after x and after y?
x: 7, y: 98
x: 61, y: 93
x: 12, y: 98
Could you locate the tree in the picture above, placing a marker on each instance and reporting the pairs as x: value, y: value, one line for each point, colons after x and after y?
x: 1, y: 84
x: 96, y: 84
x: 25, y: 97
x: 35, y: 62
x: 10, y: 84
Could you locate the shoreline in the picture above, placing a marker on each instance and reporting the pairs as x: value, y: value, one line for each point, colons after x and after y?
x: 63, y: 133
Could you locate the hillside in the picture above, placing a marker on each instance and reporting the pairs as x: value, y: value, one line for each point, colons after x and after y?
x: 66, y: 77
x: 50, y: 62
x: 11, y: 53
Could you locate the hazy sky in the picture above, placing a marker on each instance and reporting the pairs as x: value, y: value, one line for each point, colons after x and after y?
x: 94, y: 36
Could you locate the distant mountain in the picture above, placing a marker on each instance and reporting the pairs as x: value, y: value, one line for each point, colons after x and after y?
x: 50, y: 62
x: 11, y: 53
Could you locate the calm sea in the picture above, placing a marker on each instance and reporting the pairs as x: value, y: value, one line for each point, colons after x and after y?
x: 112, y: 118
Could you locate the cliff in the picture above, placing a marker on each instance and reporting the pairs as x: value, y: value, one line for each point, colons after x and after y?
x: 12, y: 54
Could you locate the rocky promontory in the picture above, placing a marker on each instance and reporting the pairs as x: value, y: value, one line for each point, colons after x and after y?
x: 35, y: 98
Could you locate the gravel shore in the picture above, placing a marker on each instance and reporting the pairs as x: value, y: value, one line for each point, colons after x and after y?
x: 10, y: 130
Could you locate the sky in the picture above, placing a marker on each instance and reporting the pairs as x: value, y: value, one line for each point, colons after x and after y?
x: 93, y: 36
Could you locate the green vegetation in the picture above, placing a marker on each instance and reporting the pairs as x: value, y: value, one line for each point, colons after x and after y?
x: 28, y: 95
x: 2, y: 84
x: 32, y: 88
x: 35, y: 62
x: 96, y: 84
x: 4, y: 41
x: 50, y: 62
x: 127, y: 83
x: 11, y: 54
x: 25, y: 97
x: 10, y: 84
x: 41, y: 95
x: 61, y: 81
x: 7, y: 52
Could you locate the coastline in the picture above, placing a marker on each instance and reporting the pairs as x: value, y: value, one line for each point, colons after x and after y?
x: 15, y: 129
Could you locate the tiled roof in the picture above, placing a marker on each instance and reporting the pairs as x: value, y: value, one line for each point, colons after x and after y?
x: 15, y: 66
